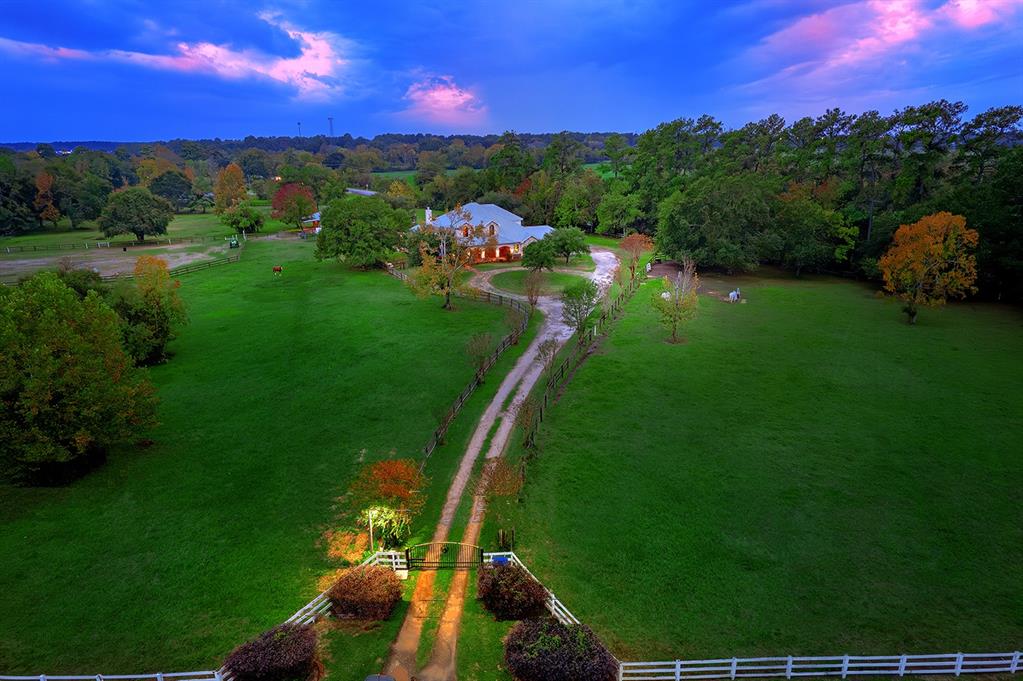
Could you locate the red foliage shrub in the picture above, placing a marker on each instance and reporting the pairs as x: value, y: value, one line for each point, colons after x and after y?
x: 284, y: 653
x: 547, y: 650
x: 367, y: 592
x: 510, y: 593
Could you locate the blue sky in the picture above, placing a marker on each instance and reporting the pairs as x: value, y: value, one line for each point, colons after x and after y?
x: 136, y: 70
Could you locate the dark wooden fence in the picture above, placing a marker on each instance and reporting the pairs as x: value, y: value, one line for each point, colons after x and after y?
x: 183, y: 269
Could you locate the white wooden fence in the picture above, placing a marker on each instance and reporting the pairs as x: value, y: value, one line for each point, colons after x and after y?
x: 158, y: 676
x: 557, y: 608
x: 953, y: 664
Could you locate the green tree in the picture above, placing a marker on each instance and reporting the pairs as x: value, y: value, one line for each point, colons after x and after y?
x: 617, y: 211
x: 539, y: 255
x: 567, y: 241
x: 618, y: 153
x: 174, y: 187
x: 577, y: 303
x: 63, y: 408
x: 243, y: 218
x: 810, y: 235
x: 135, y: 211
x: 361, y: 231
x: 676, y: 303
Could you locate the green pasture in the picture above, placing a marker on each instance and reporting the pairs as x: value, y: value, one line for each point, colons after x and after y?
x: 165, y: 558
x: 807, y: 474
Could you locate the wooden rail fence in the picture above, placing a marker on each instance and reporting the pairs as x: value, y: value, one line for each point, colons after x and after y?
x: 87, y: 246
x: 182, y: 269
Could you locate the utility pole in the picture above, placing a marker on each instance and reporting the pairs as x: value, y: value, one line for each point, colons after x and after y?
x: 300, y: 128
x: 330, y: 120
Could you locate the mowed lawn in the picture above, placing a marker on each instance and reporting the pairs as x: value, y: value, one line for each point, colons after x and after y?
x: 166, y: 558
x: 514, y: 281
x: 806, y: 475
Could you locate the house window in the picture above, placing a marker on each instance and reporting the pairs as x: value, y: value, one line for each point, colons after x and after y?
x: 465, y: 232
x: 493, y: 230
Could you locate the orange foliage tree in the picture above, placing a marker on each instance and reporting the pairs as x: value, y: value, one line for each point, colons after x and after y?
x: 930, y: 261
x: 229, y: 190
x: 44, y: 198
x: 390, y: 494
x: 636, y: 245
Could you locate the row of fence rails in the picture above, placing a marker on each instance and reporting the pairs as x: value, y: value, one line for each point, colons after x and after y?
x: 954, y: 664
x: 85, y: 245
x: 182, y: 269
x: 556, y: 607
x: 156, y: 676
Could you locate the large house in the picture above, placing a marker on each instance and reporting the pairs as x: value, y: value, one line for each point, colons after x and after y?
x: 506, y: 234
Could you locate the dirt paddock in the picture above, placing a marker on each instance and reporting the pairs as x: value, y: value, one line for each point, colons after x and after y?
x: 109, y: 261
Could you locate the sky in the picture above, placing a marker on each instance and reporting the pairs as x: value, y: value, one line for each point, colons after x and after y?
x: 137, y: 70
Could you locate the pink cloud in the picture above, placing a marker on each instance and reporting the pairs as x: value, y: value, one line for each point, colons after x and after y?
x: 439, y: 99
x: 831, y: 48
x: 315, y: 73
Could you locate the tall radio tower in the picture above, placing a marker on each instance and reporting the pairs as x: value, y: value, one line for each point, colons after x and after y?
x: 300, y: 128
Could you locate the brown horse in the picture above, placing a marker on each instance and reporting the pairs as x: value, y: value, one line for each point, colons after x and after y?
x: 278, y: 270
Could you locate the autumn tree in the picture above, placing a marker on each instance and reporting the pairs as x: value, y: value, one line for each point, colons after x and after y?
x: 635, y: 245
x: 577, y: 302
x: 447, y: 251
x: 150, y: 308
x: 135, y: 211
x: 526, y: 414
x: 389, y: 494
x: 677, y: 302
x: 931, y: 261
x: 229, y: 189
x: 478, y: 349
x: 292, y: 203
x: 62, y: 409
x: 534, y: 287
x: 45, y: 208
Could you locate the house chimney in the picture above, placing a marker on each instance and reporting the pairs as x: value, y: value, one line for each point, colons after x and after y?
x: 429, y: 216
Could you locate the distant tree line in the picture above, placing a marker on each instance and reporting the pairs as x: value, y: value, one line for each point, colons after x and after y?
x: 823, y: 193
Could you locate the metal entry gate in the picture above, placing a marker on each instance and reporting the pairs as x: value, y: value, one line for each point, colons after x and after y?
x: 443, y: 555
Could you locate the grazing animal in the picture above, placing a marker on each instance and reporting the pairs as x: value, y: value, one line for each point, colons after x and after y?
x: 733, y: 296
x: 278, y: 270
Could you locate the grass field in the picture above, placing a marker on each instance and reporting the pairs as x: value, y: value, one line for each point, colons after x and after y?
x: 515, y: 281
x: 806, y: 475
x: 182, y: 226
x: 167, y: 558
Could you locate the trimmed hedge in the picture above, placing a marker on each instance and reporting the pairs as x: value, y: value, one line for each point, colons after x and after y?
x: 547, y: 650
x: 510, y: 593
x: 284, y: 653
x: 367, y: 592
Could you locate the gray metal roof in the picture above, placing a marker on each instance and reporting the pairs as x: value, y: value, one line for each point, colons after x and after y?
x: 510, y: 229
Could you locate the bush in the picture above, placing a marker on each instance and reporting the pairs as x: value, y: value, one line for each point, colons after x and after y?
x: 510, y: 593
x: 367, y: 592
x: 546, y: 650
x: 285, y: 653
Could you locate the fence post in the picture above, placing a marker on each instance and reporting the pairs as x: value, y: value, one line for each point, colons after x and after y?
x: 902, y: 665
x: 678, y: 670
x: 735, y: 666
x: 1014, y: 665
x: 217, y: 675
x: 159, y: 676
x: 621, y: 670
x: 845, y: 666
x: 959, y: 663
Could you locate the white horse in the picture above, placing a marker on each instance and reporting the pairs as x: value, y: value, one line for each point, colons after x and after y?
x: 733, y: 296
